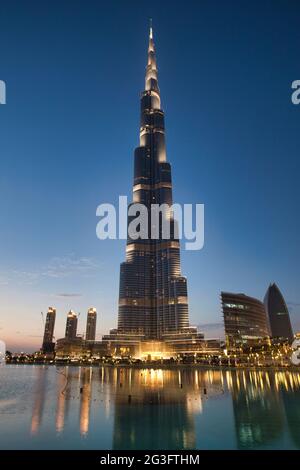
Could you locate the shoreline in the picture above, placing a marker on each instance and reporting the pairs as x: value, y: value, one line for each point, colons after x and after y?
x: 155, y: 366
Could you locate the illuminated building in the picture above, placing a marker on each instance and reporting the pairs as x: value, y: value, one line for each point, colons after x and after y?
x: 48, y: 344
x: 153, y: 294
x: 78, y: 348
x: 71, y: 325
x: 153, y: 299
x: 245, y: 320
x: 91, y: 321
x: 69, y: 348
x: 73, y: 346
x: 278, y: 314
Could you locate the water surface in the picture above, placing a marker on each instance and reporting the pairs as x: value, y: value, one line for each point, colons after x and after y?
x: 49, y: 407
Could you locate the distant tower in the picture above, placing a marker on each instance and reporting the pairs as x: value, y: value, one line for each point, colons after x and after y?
x: 278, y: 314
x: 91, y: 321
x: 71, y: 325
x: 48, y: 345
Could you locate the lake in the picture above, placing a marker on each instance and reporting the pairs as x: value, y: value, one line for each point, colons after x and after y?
x: 52, y: 407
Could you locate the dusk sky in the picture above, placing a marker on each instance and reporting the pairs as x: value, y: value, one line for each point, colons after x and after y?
x: 73, y: 72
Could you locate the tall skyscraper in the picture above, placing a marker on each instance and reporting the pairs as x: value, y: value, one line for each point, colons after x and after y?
x: 153, y: 299
x: 48, y: 344
x: 71, y: 325
x: 278, y: 314
x: 153, y: 294
x: 245, y: 320
x: 91, y: 321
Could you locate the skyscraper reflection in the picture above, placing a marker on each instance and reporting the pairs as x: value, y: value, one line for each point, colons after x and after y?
x: 258, y: 410
x: 292, y: 413
x: 157, y: 408
x: 164, y: 409
x: 39, y: 400
x: 61, y: 401
x: 85, y: 399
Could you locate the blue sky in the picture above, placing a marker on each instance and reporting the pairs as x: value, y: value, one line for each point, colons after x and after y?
x: 74, y: 71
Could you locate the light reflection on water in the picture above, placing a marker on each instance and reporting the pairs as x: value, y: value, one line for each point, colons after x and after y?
x: 48, y: 407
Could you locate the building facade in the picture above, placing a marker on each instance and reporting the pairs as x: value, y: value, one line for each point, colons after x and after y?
x: 153, y: 293
x: 278, y: 314
x: 245, y: 320
x: 71, y: 325
x: 48, y: 344
x: 153, y: 299
x: 78, y: 348
x: 91, y: 323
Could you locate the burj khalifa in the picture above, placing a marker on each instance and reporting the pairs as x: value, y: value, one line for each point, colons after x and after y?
x: 153, y: 299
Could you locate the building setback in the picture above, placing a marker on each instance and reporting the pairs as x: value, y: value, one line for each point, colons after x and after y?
x: 153, y: 299
x: 278, y: 314
x: 153, y: 293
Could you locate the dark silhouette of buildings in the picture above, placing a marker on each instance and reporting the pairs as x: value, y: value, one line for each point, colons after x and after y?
x: 71, y: 325
x: 245, y: 320
x: 278, y: 314
x: 91, y: 322
x: 48, y: 344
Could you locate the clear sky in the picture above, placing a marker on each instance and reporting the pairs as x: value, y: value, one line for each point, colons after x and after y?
x: 74, y: 71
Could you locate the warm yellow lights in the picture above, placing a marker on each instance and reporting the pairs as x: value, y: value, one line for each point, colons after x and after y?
x: 72, y: 314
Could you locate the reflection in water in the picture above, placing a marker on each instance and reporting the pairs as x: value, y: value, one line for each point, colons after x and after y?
x: 86, y: 396
x: 292, y: 410
x: 39, y: 400
x: 160, y: 409
x: 155, y: 408
x: 61, y: 401
x: 258, y: 410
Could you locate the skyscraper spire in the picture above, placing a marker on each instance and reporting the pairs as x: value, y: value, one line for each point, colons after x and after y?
x: 151, y: 281
x: 151, y: 31
x: 153, y: 300
x: 151, y: 69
